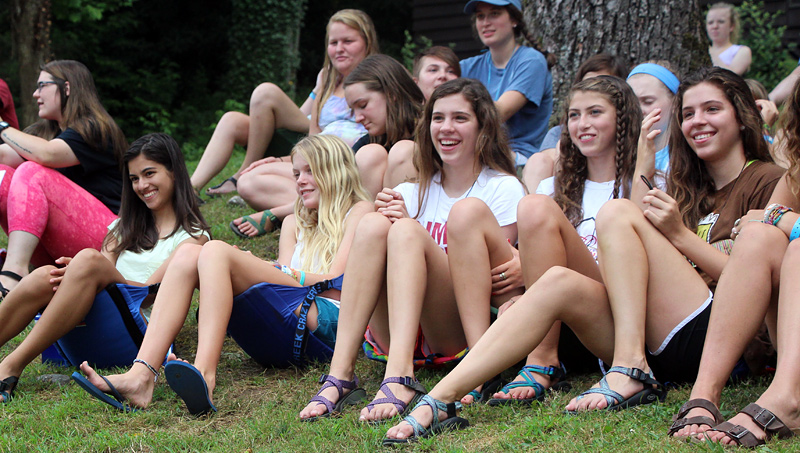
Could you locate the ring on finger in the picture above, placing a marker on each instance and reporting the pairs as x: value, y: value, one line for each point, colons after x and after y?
x: 502, y: 275
x: 736, y: 223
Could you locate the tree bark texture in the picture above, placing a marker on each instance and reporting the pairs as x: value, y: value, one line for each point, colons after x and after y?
x: 30, y: 31
x: 635, y: 30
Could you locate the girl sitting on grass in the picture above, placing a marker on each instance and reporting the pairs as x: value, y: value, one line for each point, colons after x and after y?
x: 158, y: 214
x: 263, y: 300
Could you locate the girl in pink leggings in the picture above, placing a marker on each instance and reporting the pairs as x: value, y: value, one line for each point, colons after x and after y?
x: 59, y: 188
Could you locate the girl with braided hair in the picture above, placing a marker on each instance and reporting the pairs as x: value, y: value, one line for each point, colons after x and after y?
x: 557, y: 226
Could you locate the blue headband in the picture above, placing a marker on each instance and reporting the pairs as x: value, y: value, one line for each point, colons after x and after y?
x: 661, y: 73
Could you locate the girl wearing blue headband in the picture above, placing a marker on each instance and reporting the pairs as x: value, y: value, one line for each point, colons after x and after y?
x: 655, y: 86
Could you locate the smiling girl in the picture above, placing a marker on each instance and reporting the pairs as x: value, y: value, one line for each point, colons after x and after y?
x: 518, y: 77
x: 263, y: 300
x: 158, y: 214
x: 398, y: 282
x: 59, y: 190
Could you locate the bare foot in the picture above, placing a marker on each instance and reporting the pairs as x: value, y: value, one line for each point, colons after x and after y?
x: 136, y: 387
x: 617, y: 382
x: 227, y: 186
x: 785, y: 407
x: 315, y: 408
x: 385, y: 411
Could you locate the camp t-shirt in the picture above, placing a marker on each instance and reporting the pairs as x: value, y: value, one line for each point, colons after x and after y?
x: 98, y: 172
x: 499, y: 191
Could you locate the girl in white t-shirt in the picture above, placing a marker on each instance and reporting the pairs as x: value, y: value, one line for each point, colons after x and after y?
x: 557, y: 224
x: 398, y: 276
x: 158, y: 213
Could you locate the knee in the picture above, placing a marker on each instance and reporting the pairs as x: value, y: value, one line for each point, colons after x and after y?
x: 38, y: 281
x: 371, y: 158
x: 88, y: 259
x: 792, y: 255
x: 264, y: 95
x: 373, y: 226
x: 535, y: 212
x: 404, y: 232
x: 247, y: 186
x: 761, y: 239
x: 186, y: 256
x: 215, y: 250
x: 538, y: 165
x: 27, y: 171
x: 617, y: 212
x: 467, y: 214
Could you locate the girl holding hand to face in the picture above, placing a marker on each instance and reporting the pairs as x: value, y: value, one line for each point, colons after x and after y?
x: 398, y: 281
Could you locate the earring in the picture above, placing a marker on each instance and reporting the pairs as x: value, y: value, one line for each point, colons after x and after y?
x: 741, y: 128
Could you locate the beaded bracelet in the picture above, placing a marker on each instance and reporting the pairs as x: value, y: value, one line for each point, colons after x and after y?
x: 298, y: 276
x: 795, y: 230
x: 774, y: 212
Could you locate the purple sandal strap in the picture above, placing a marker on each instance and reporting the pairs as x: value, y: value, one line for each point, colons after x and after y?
x: 330, y: 381
x: 401, y: 405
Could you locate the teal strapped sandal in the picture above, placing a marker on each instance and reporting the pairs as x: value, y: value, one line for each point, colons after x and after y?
x: 653, y: 390
x: 451, y: 423
x: 261, y: 227
x: 554, y: 373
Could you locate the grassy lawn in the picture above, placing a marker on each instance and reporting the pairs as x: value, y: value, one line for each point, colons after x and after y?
x: 258, y: 408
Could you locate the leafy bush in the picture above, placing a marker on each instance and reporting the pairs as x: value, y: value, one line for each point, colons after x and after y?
x: 771, y: 60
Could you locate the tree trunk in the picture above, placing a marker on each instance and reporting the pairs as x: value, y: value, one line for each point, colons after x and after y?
x: 636, y: 30
x: 30, y: 34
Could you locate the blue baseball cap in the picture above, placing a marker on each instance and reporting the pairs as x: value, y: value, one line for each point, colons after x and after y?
x: 469, y: 8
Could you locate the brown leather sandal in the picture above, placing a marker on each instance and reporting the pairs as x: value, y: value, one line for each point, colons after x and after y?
x: 679, y: 421
x: 766, y: 420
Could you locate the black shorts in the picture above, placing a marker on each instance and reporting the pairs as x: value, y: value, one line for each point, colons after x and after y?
x: 679, y: 361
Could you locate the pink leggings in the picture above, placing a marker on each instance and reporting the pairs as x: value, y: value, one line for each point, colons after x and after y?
x: 41, y: 201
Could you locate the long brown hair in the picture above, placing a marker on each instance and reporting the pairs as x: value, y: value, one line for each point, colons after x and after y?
x: 521, y: 32
x: 136, y: 229
x: 570, y: 179
x: 357, y: 20
x: 688, y: 180
x: 81, y: 110
x: 491, y: 148
x: 790, y: 125
x: 404, y: 100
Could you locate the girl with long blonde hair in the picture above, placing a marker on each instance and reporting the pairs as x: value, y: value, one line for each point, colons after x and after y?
x: 263, y: 305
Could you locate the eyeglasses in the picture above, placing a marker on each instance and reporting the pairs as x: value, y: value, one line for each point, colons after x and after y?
x: 41, y: 85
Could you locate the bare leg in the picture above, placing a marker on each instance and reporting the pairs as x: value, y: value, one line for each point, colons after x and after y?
x: 268, y: 186
x: 740, y: 305
x: 169, y: 313
x: 21, y: 246
x: 539, y: 167
x: 231, y: 130
x: 547, y: 239
x: 225, y: 271
x: 270, y: 109
x: 414, y: 259
x: 525, y: 324
x: 87, y: 274
x: 782, y: 397
x: 400, y: 167
x: 372, y: 161
x: 651, y: 287
x: 363, y: 303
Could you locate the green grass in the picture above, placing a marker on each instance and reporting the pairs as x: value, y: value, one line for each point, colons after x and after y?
x: 258, y: 408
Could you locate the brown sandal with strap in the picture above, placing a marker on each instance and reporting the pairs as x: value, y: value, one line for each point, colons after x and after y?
x: 680, y: 421
x: 766, y: 420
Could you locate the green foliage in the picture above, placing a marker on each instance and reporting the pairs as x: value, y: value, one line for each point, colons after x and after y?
x: 771, y: 60
x: 264, y: 37
x: 81, y: 10
x: 411, y: 47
